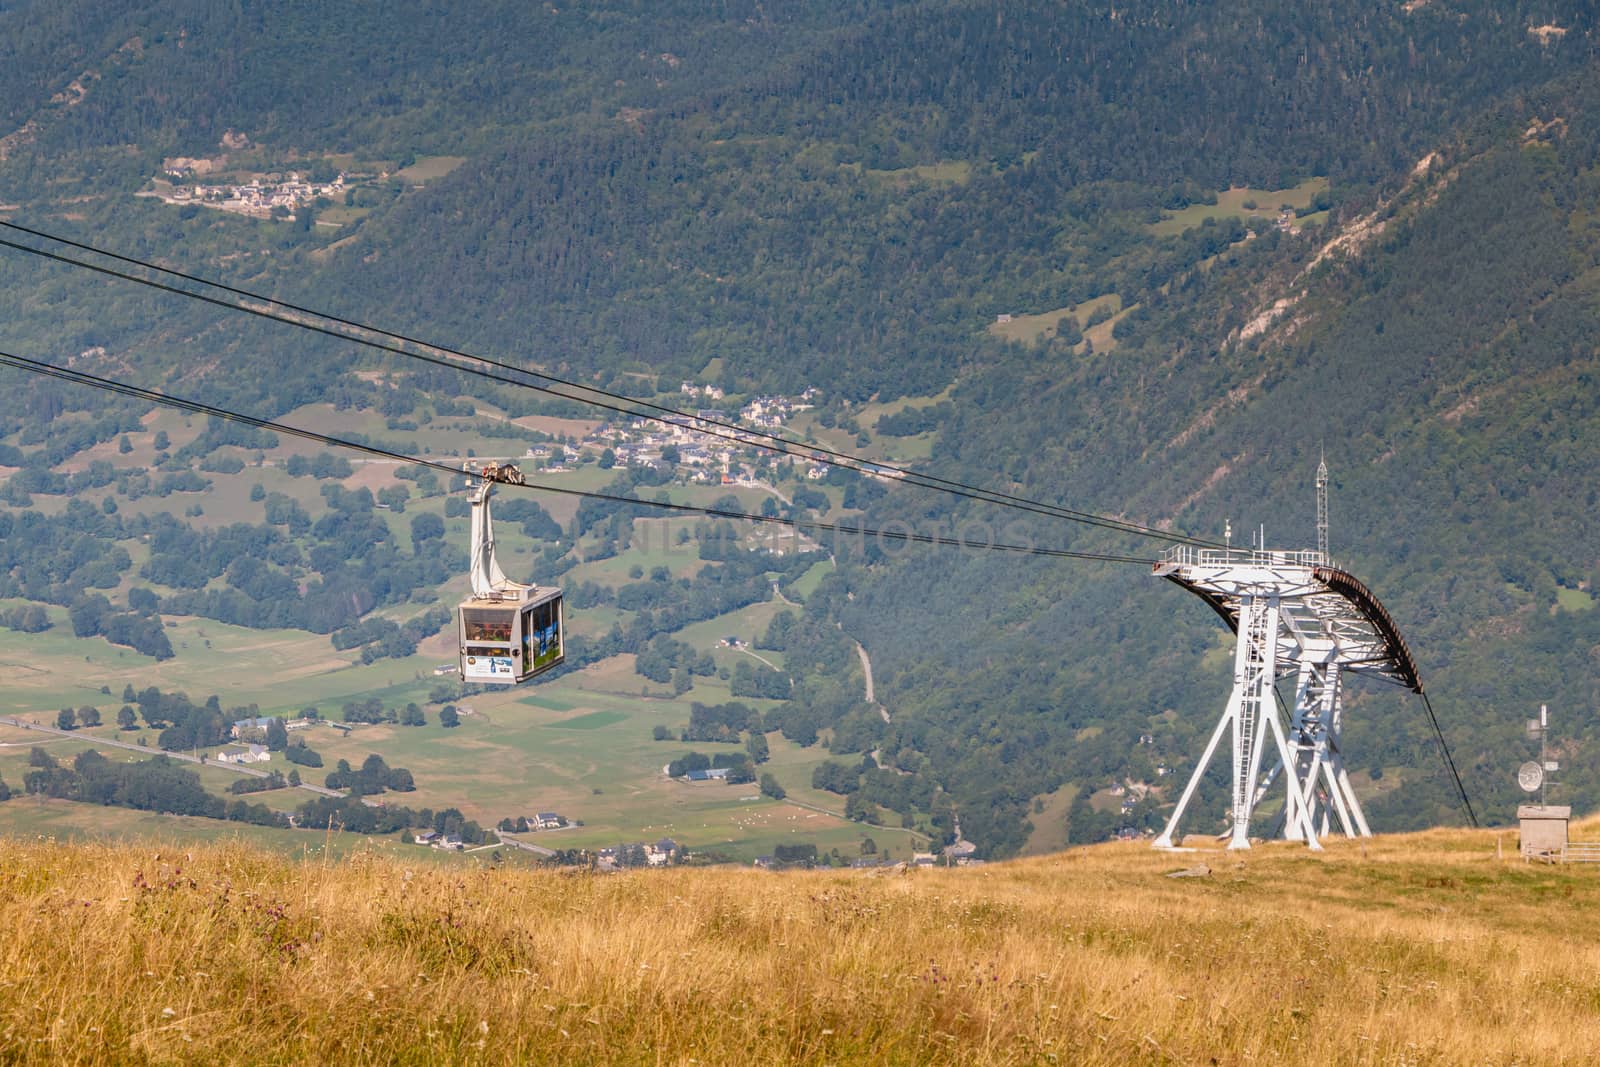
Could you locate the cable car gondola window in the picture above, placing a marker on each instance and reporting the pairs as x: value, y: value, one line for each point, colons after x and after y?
x: 487, y: 624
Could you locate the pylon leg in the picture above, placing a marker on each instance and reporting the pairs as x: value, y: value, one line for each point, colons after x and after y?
x: 1296, y: 814
x: 1354, y: 804
x: 1165, y: 840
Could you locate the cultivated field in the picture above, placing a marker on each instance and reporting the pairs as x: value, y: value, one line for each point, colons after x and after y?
x: 1416, y: 949
x: 581, y: 745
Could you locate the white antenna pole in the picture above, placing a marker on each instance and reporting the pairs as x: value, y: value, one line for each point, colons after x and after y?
x: 1544, y: 750
x: 1322, y: 507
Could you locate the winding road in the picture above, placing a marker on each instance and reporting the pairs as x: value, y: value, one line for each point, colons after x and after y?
x: 866, y: 669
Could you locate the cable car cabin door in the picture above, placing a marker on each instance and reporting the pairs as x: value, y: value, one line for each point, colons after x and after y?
x: 507, y: 643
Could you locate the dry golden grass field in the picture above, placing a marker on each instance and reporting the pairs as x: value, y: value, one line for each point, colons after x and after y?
x: 1409, y: 950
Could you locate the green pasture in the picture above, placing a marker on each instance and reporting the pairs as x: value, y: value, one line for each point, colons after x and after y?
x: 654, y: 544
x: 869, y: 413
x: 278, y: 669
x: 945, y: 172
x: 341, y: 215
x: 1050, y: 826
x: 807, y: 583
x: 1231, y: 204
x: 1100, y: 335
x: 428, y: 168
x: 580, y: 745
x: 594, y: 621
x: 594, y: 720
x: 1574, y: 600
x: 1220, y: 654
x: 880, y: 448
x: 69, y: 821
x: 553, y: 425
x: 567, y: 747
x: 1030, y: 328
x: 903, y: 450
x: 549, y: 701
x: 747, y: 623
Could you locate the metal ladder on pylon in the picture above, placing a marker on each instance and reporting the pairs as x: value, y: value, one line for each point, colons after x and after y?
x: 1253, y: 679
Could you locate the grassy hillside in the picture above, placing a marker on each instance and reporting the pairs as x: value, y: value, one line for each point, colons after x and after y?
x: 1418, y: 949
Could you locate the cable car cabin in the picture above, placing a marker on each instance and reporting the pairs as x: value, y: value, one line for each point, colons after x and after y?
x: 506, y: 642
x: 508, y: 632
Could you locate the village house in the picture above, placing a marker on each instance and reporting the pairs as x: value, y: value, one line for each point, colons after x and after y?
x: 242, y: 726
x: 960, y: 853
x: 251, y: 754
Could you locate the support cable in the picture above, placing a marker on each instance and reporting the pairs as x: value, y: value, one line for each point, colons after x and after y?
x: 637, y: 408
x: 803, y: 525
x: 1449, y: 761
x: 1438, y: 735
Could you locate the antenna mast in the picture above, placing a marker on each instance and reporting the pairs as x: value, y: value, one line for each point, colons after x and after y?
x: 1322, y: 507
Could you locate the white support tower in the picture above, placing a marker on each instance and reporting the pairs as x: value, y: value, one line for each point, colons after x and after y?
x: 1295, y: 615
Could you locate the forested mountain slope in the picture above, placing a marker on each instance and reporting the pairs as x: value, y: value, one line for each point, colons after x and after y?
x: 845, y: 196
x: 1447, y: 367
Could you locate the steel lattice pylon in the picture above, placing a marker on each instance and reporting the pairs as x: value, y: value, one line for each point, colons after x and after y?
x: 1294, y: 615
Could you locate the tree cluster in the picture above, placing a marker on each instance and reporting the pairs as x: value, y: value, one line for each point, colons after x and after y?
x: 374, y: 777
x: 157, y: 784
